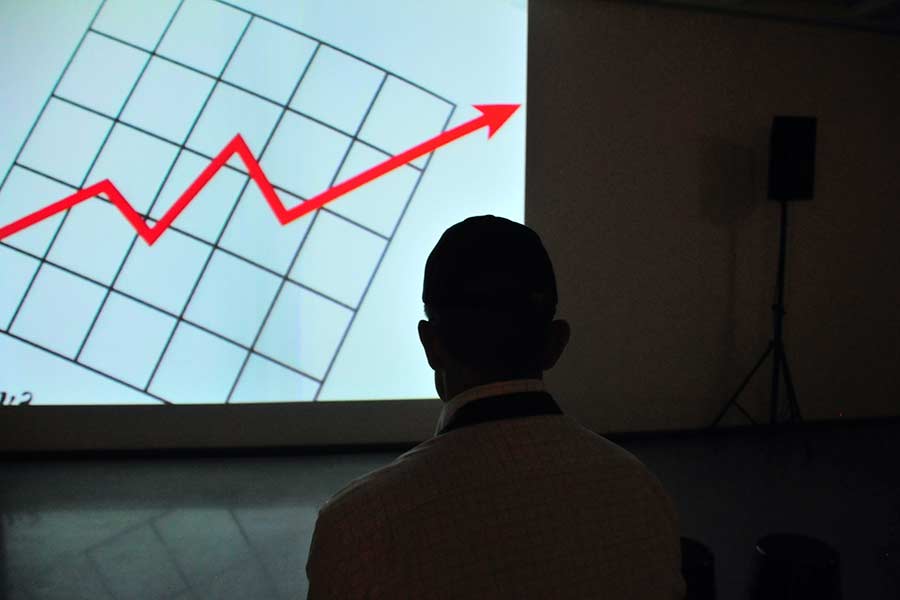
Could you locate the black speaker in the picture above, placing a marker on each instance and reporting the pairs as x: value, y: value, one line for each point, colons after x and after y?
x: 792, y: 158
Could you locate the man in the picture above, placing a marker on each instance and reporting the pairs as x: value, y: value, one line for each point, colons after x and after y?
x: 510, y: 498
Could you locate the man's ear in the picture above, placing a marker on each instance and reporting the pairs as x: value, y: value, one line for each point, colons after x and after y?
x: 431, y: 345
x: 557, y: 339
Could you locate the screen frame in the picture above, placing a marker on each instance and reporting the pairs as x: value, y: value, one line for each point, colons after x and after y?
x: 197, y: 426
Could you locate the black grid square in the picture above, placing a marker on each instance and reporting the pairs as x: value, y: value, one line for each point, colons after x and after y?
x: 59, y: 310
x: 141, y: 24
x: 164, y: 274
x: 230, y: 112
x: 255, y: 234
x: 197, y: 367
x: 85, y: 134
x: 102, y: 75
x: 304, y: 155
x: 205, y: 217
x: 116, y: 162
x: 218, y: 25
x: 111, y: 348
x: 24, y: 192
x: 232, y: 298
x: 338, y: 259
x: 338, y: 89
x: 167, y: 100
x: 270, y: 61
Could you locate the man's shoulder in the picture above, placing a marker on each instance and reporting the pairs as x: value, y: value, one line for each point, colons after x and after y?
x: 382, y: 487
x: 373, y: 488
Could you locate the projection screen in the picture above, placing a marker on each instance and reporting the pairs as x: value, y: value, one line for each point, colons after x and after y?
x: 214, y: 215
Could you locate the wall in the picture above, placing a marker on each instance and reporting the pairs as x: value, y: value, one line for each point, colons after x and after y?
x: 647, y: 165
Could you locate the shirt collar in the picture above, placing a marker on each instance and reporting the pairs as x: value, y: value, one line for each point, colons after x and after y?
x: 499, y: 388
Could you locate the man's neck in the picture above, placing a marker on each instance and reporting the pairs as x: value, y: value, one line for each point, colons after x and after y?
x: 458, y: 383
x: 489, y: 390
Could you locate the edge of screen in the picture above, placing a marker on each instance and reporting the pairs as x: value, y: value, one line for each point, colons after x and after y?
x: 199, y: 426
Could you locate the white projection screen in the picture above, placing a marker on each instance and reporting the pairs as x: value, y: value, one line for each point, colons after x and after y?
x: 214, y: 215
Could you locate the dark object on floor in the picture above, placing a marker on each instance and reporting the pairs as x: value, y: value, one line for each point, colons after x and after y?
x: 698, y: 569
x: 795, y: 567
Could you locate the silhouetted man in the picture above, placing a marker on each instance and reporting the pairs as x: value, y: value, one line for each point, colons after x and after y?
x: 510, y: 498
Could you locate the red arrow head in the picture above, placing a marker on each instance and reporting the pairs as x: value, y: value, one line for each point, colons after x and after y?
x: 495, y: 115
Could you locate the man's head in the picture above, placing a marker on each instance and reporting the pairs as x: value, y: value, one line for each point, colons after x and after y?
x: 490, y: 298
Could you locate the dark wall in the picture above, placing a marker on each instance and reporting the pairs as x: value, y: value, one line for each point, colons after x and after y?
x: 647, y: 170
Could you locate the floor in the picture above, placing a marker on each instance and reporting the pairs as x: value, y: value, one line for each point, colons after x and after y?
x: 195, y: 528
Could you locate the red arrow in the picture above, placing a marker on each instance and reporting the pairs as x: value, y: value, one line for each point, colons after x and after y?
x: 493, y: 116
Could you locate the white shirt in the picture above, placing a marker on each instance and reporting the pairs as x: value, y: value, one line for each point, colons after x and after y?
x: 535, y: 507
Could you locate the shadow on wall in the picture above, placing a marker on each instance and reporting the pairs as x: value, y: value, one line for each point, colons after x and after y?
x: 730, y: 185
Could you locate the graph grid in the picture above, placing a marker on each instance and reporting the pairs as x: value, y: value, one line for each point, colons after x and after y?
x: 228, y: 305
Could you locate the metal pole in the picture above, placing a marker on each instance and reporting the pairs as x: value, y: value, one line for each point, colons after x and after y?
x: 778, y: 315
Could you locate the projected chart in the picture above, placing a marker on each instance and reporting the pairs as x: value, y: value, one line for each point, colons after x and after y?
x: 204, y: 201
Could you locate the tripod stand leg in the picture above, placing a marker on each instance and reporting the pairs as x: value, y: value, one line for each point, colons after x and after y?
x: 745, y: 413
x: 747, y: 379
x: 792, y: 394
x: 776, y: 380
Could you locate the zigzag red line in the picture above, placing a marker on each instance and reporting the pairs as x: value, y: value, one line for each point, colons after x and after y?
x: 493, y: 117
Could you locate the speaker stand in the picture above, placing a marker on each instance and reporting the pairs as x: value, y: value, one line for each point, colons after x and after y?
x: 775, y: 349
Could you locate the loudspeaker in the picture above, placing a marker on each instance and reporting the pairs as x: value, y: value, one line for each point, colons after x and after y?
x: 792, y: 158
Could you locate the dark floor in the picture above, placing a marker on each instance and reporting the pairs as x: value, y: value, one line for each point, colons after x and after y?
x: 240, y: 527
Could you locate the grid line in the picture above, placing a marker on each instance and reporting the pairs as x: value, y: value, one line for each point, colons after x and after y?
x: 290, y: 268
x: 281, y: 284
x: 208, y: 157
x: 327, y: 45
x: 222, y: 231
x: 200, y: 240
x: 55, y: 85
x: 87, y: 174
x: 384, y: 250
x: 228, y: 220
x: 160, y: 310
x: 233, y: 169
x: 88, y: 367
x: 257, y: 95
x: 213, y: 247
x: 159, y: 190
